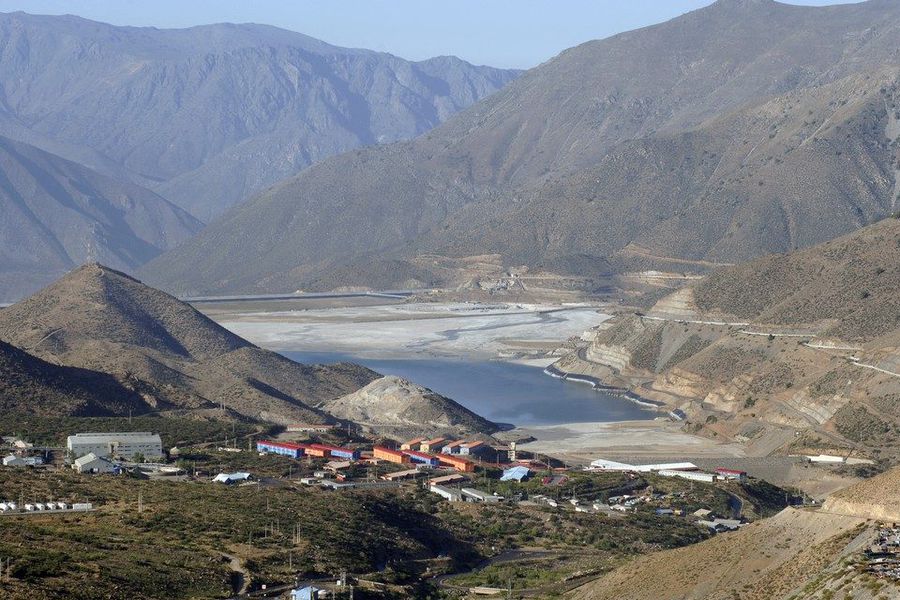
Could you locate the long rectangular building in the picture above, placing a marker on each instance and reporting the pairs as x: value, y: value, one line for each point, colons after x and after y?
x: 283, y: 448
x: 457, y: 462
x: 389, y: 455
x: 421, y: 457
x: 335, y: 451
x: 123, y: 444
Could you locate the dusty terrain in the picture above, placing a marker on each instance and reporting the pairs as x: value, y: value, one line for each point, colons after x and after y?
x: 452, y: 329
x: 765, y: 560
x: 401, y: 409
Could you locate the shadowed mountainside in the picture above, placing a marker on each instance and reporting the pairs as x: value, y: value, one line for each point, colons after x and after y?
x: 31, y: 385
x: 715, y: 137
x: 100, y: 319
x: 56, y: 214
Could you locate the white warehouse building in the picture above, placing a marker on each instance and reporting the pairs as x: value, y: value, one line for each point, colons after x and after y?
x: 124, y: 444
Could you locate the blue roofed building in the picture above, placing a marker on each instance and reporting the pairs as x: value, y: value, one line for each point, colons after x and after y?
x: 305, y: 593
x: 515, y: 474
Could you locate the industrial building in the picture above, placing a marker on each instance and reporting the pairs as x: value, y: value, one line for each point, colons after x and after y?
x: 691, y: 475
x: 732, y: 474
x: 413, y: 444
x: 448, y: 479
x: 611, y: 465
x: 389, y: 455
x: 230, y: 478
x: 22, y: 461
x: 433, y: 445
x: 91, y: 463
x: 124, y: 444
x: 335, y: 451
x: 452, y: 447
x: 446, y: 493
x: 457, y: 462
x: 473, y: 448
x: 421, y: 458
x: 515, y: 474
x: 473, y: 495
x: 283, y: 448
x: 399, y: 475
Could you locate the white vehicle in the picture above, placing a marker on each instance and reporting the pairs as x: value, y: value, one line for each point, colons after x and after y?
x: 30, y: 507
x: 40, y: 506
x: 62, y: 506
x: 12, y: 506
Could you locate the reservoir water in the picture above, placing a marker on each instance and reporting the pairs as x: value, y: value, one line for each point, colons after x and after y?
x: 502, y: 392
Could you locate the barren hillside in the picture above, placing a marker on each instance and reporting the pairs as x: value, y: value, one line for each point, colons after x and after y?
x: 802, y: 342
x: 764, y: 560
x: 394, y: 406
x: 714, y: 137
x: 99, y: 319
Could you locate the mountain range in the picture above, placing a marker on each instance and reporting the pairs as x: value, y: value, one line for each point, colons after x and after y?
x: 206, y: 116
x: 739, y: 129
x: 56, y: 214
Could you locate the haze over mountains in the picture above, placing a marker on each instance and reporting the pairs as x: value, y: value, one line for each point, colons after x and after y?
x: 208, y: 115
x: 56, y: 215
x: 715, y: 137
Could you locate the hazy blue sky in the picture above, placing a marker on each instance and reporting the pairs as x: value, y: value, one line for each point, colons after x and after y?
x: 503, y: 33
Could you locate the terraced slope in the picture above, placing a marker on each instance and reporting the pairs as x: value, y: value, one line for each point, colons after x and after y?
x: 807, y: 341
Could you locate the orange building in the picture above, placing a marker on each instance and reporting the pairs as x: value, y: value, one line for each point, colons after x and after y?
x: 389, y: 455
x: 413, y: 444
x: 434, y: 445
x: 458, y: 463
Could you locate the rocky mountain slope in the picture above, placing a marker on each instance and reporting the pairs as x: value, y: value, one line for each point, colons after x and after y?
x: 394, y: 406
x: 803, y: 342
x: 876, y: 498
x: 715, y: 137
x: 175, y: 358
x: 56, y: 214
x: 767, y: 559
x: 208, y: 115
x: 31, y: 385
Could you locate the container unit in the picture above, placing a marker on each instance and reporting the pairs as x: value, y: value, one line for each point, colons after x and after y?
x: 394, y: 456
x: 82, y: 506
x: 457, y: 462
x: 283, y: 448
x: 422, y: 458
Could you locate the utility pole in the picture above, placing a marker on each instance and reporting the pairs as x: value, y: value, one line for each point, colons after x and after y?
x: 140, y: 502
